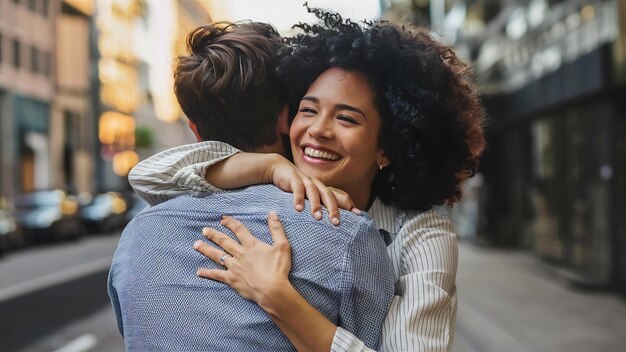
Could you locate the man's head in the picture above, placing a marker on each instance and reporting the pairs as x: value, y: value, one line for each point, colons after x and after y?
x: 227, y: 86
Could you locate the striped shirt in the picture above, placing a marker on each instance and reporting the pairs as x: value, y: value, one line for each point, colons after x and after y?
x: 422, y: 246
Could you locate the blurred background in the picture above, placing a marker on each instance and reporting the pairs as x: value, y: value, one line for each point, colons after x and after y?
x: 86, y: 92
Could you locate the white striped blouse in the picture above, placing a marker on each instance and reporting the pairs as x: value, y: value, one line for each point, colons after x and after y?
x: 422, y: 246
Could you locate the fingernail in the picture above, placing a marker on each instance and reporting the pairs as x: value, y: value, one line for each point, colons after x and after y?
x: 335, y: 221
x: 299, y: 207
x: 317, y: 215
x: 356, y: 211
x: 197, y: 244
x: 206, y: 231
x: 198, y: 272
x: 273, y: 214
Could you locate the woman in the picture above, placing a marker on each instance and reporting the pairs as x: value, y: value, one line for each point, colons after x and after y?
x: 389, y: 117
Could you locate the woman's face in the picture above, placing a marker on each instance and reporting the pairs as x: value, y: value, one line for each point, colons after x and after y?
x: 334, y: 136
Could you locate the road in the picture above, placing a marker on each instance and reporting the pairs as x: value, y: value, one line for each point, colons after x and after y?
x: 53, y: 298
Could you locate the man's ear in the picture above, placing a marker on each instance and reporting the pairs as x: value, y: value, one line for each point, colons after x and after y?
x: 194, y: 128
x: 282, y: 125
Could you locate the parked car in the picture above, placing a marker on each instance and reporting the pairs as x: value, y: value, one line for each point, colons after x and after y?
x: 10, y: 233
x: 105, y: 213
x: 49, y: 215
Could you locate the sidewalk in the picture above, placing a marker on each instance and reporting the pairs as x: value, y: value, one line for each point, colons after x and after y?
x: 511, y: 301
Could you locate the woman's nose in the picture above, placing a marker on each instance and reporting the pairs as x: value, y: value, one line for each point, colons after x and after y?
x: 322, y: 128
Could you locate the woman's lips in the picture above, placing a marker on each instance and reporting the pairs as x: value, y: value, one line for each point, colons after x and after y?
x: 320, y: 154
x: 317, y: 155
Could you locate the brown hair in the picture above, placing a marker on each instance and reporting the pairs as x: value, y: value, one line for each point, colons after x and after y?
x: 227, y: 86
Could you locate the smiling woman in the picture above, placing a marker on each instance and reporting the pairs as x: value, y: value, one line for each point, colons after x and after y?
x: 334, y: 136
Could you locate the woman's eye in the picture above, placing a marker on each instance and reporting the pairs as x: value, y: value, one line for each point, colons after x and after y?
x: 347, y: 119
x: 306, y: 110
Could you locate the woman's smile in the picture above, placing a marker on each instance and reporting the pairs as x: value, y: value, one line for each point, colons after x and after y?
x: 319, y: 154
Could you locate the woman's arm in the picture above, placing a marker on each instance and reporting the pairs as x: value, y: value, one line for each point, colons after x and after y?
x: 245, y: 169
x: 209, y: 167
x: 177, y: 171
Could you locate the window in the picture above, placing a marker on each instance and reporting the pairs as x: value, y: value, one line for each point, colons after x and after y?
x: 45, y: 7
x: 34, y: 60
x: 47, y: 64
x: 17, y: 57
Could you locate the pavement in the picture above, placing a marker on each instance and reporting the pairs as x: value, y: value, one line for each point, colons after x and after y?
x: 510, y: 300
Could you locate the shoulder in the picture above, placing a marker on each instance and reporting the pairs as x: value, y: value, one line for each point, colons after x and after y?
x: 430, y: 224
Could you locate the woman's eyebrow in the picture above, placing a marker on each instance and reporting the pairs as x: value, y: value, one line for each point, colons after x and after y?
x: 310, y: 98
x: 350, y: 108
x: 337, y: 107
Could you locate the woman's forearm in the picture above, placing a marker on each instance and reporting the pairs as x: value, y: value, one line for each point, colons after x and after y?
x: 305, y: 327
x: 242, y: 169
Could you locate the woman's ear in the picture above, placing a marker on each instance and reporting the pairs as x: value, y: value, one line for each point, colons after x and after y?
x: 382, y: 160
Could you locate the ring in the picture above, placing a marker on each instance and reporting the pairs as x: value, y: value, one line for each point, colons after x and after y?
x: 223, y: 258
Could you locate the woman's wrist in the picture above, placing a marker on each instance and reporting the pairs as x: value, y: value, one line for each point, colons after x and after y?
x: 272, y: 299
x: 268, y: 163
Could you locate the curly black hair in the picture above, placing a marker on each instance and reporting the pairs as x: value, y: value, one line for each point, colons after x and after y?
x: 432, y: 117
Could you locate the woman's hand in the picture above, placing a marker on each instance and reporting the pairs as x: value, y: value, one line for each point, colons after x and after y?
x: 287, y: 177
x: 254, y: 268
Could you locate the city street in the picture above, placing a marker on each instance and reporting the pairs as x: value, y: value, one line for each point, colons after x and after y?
x: 53, y: 298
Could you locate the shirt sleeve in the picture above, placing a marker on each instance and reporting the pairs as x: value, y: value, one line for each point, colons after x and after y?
x: 422, y: 314
x: 368, y: 285
x: 177, y: 171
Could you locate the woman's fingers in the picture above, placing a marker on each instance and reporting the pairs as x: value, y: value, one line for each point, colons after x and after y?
x: 222, y: 240
x: 213, y: 274
x: 297, y: 187
x: 276, y: 230
x: 329, y: 200
x: 242, y: 233
x: 343, y: 200
x: 210, y: 252
x: 313, y: 195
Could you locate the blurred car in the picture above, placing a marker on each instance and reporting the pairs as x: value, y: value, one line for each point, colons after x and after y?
x: 105, y: 213
x: 10, y: 233
x: 137, y: 205
x: 48, y: 215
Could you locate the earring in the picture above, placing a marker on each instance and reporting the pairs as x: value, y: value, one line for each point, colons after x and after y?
x: 380, y: 166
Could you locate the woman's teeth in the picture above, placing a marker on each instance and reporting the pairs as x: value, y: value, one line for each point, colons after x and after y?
x: 320, y: 154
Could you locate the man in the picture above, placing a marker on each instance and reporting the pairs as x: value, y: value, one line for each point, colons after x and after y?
x: 227, y: 88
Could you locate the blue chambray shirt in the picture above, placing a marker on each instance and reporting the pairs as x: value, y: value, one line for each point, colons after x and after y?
x: 161, y: 305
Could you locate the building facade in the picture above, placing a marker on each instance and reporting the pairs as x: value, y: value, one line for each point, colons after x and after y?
x: 27, y: 36
x: 553, y: 79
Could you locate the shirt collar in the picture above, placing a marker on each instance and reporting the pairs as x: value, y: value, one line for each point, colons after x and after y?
x: 387, y: 217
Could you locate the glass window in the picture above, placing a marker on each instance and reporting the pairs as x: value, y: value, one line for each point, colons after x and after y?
x: 34, y: 60
x: 17, y: 57
x: 45, y: 4
x: 47, y: 64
